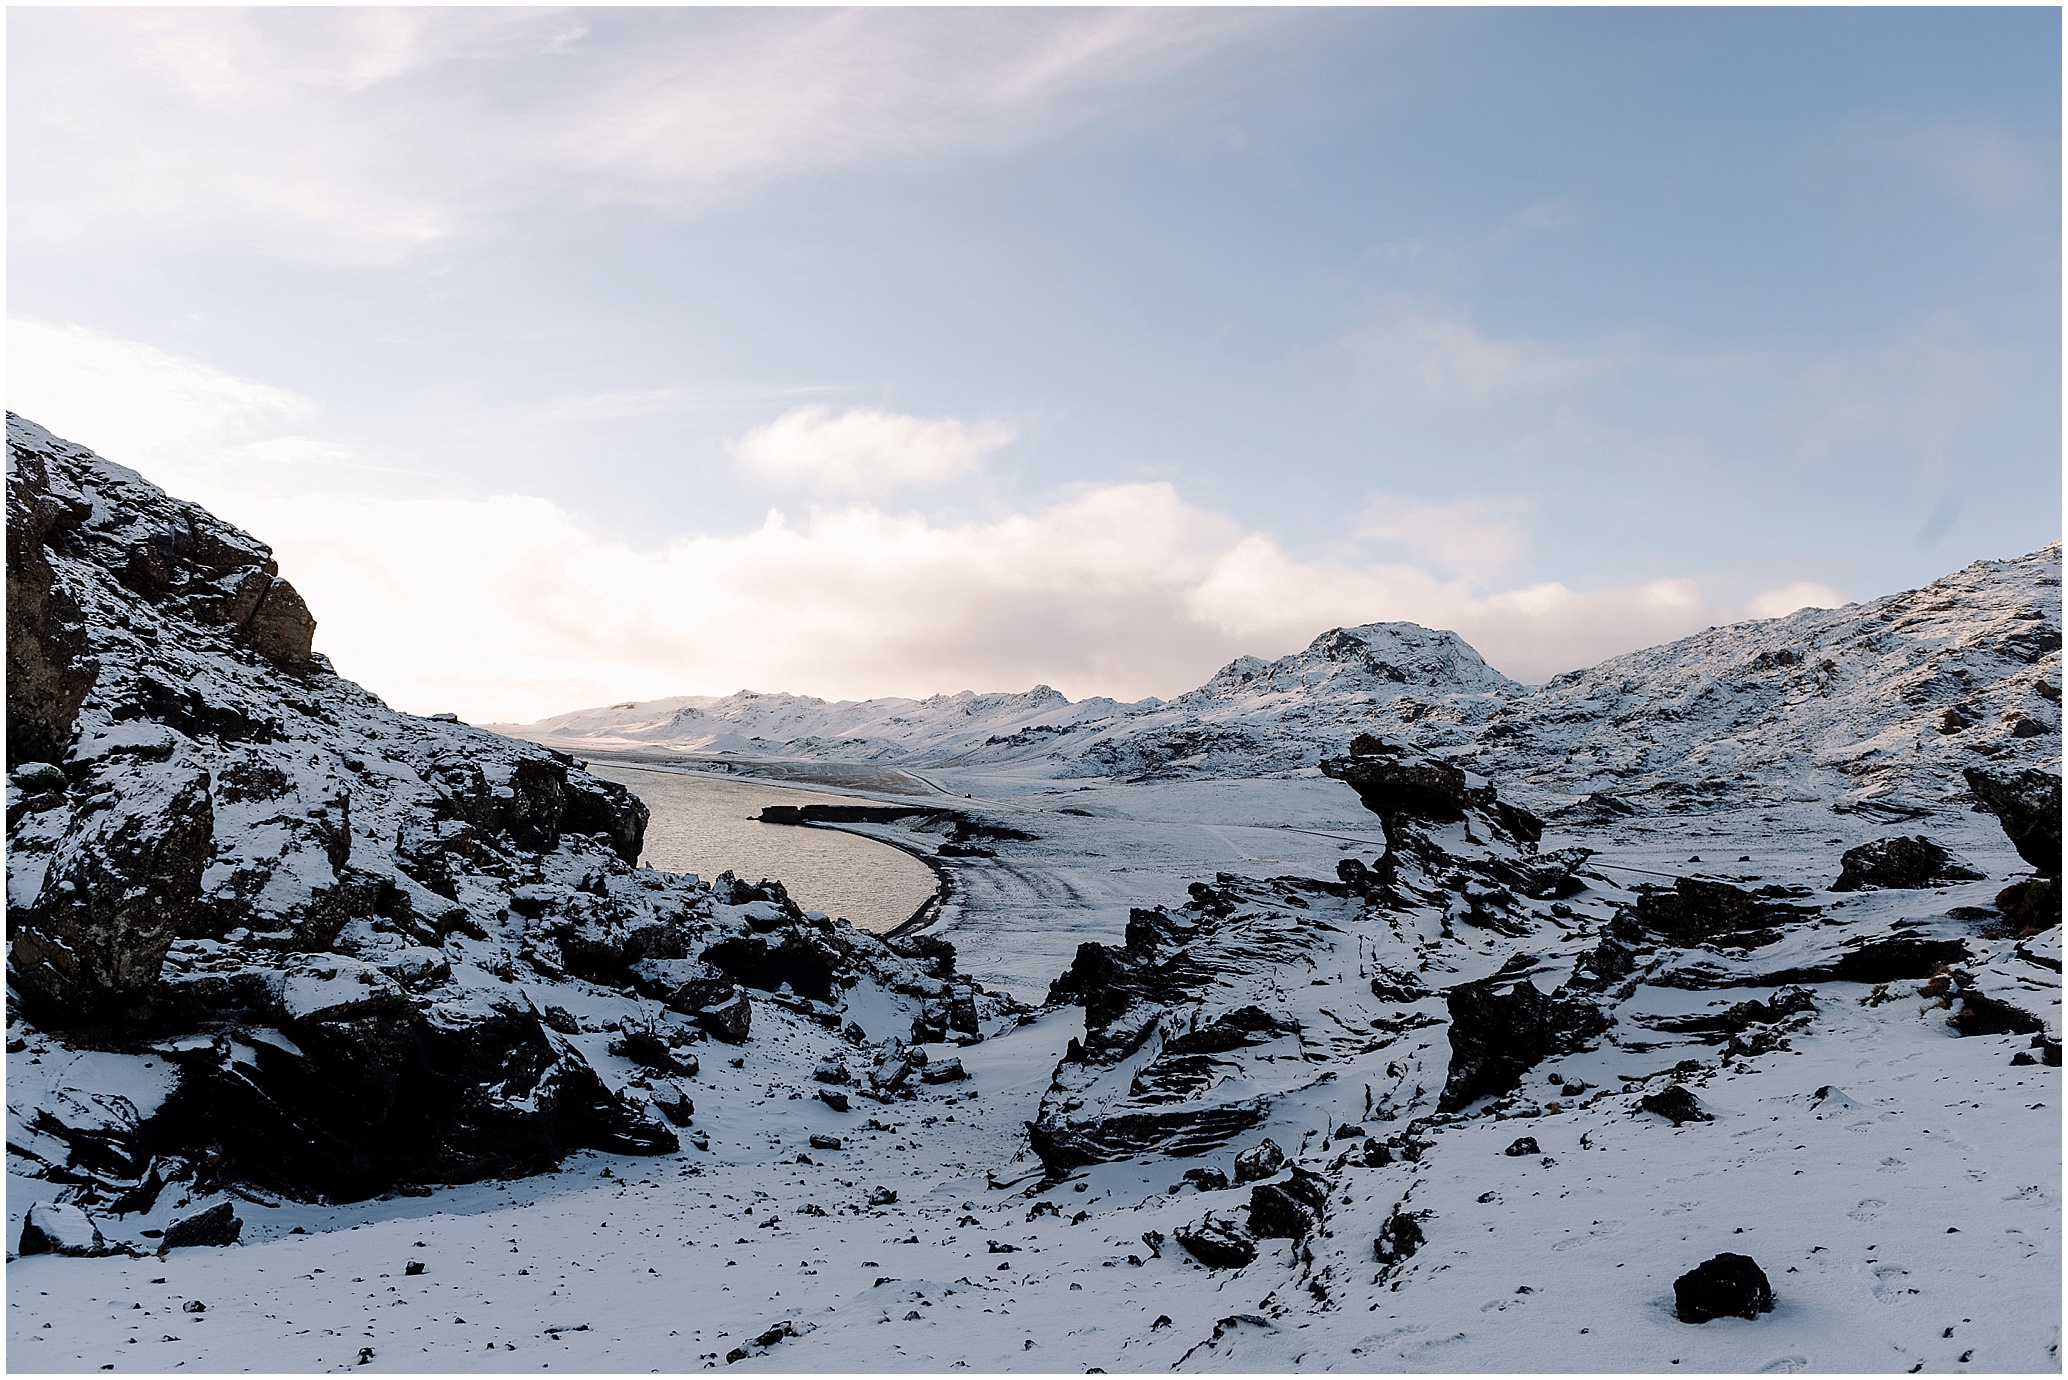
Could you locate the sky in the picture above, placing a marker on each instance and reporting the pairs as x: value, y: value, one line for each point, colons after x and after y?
x: 571, y: 356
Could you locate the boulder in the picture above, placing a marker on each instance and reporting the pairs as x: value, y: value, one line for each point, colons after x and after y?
x: 1260, y: 1161
x: 1523, y: 1145
x: 281, y: 628
x: 1292, y: 1207
x: 2028, y: 805
x: 219, y: 1226
x: 59, y: 1229
x: 1911, y: 864
x: 1723, y: 1286
x: 1399, y: 1238
x: 1216, y: 1244
x: 1675, y: 1103
x: 49, y: 667
x: 1698, y: 911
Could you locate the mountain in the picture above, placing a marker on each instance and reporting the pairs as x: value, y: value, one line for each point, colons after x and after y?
x: 1871, y: 703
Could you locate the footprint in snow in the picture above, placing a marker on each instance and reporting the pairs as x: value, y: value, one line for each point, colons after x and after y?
x: 1785, y: 1365
x: 1867, y: 1210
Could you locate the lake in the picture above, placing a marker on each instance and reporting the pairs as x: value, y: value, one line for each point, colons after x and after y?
x: 706, y: 824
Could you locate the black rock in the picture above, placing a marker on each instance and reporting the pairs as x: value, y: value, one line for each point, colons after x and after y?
x: 1524, y: 1145
x: 674, y: 1104
x: 1501, y: 1027
x: 1217, y: 1245
x: 1260, y: 1161
x: 834, y: 1098
x: 2028, y: 804
x: 1675, y: 1103
x: 219, y: 1226
x: 1900, y: 864
x: 1399, y: 1238
x: 1206, y: 1179
x: 1291, y: 1208
x: 1697, y: 911
x: 1723, y: 1286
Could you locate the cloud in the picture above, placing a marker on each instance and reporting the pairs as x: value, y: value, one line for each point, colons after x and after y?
x: 1471, y: 536
x: 1969, y: 164
x: 1445, y: 357
x: 134, y: 399
x: 864, y: 450
x: 1918, y: 393
x: 1802, y: 594
x: 375, y: 136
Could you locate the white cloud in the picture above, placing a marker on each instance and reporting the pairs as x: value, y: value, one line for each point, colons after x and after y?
x: 1475, y: 537
x: 374, y: 135
x: 863, y: 450
x: 1446, y: 357
x: 1802, y: 594
x: 139, y: 403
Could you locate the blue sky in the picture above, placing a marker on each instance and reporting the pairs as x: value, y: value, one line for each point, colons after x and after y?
x: 576, y: 355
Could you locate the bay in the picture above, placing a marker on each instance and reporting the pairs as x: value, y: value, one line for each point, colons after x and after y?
x: 706, y: 825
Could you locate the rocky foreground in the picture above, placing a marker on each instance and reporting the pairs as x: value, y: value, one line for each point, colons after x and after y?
x: 341, y: 1037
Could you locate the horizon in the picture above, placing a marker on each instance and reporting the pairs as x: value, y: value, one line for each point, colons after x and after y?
x: 575, y: 357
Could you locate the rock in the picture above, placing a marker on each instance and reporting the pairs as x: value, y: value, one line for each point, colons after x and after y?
x: 1291, y: 1208
x: 730, y: 1022
x: 2028, y: 805
x: 1206, y: 1179
x: 833, y: 1071
x: 674, y: 1104
x: 943, y: 1071
x: 648, y: 1047
x: 1911, y: 863
x: 1524, y: 1145
x: 281, y: 628
x: 122, y: 884
x: 1399, y: 1238
x: 1723, y: 1286
x: 2031, y: 906
x: 1400, y: 786
x: 50, y: 669
x: 1675, y: 1103
x: 1216, y: 1244
x: 822, y: 1141
x: 1697, y: 911
x: 219, y: 1226
x: 833, y: 1098
x: 1501, y: 1027
x: 882, y: 1197
x: 59, y: 1229
x: 1260, y: 1161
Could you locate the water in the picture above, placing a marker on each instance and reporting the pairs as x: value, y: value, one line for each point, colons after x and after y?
x: 705, y: 824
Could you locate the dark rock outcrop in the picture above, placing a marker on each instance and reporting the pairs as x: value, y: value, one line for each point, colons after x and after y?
x: 2028, y: 804
x: 1698, y: 911
x: 1502, y: 1027
x: 49, y: 669
x: 1723, y: 1286
x: 1902, y: 863
x: 218, y: 1226
x: 1216, y: 1244
x: 1675, y: 1103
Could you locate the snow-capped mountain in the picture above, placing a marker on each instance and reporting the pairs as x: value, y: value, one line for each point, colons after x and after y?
x: 1873, y: 702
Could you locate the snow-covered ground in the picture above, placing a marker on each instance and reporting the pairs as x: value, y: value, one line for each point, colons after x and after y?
x: 1476, y: 1049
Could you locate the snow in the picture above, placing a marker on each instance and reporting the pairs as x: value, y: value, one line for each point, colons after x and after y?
x: 1898, y: 1181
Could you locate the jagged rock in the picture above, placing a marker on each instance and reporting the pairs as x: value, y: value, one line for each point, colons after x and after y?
x: 1501, y: 1027
x: 1291, y: 1207
x: 1399, y: 786
x: 1697, y: 911
x: 2031, y: 906
x: 1206, y: 1179
x: 281, y: 628
x: 674, y: 1104
x: 821, y: 1141
x: 219, y: 1226
x: 943, y: 1071
x: 834, y: 1099
x: 59, y: 1229
x: 49, y: 667
x: 1260, y: 1161
x: 1723, y: 1286
x: 1903, y: 863
x: 1399, y: 1238
x: 1523, y: 1145
x: 731, y: 1021
x: 118, y: 888
x: 1675, y: 1103
x: 2028, y: 804
x: 1216, y: 1244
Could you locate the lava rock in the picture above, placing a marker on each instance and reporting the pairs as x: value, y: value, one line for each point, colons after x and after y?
x: 1675, y: 1103
x: 219, y: 1226
x: 1398, y: 1239
x: 1911, y: 863
x: 1723, y: 1286
x: 2028, y: 805
x: 1501, y: 1027
x: 1216, y: 1244
x: 1291, y: 1208
x: 1524, y: 1145
x: 1260, y: 1161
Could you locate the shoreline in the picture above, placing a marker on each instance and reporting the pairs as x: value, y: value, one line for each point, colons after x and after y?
x: 922, y: 916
